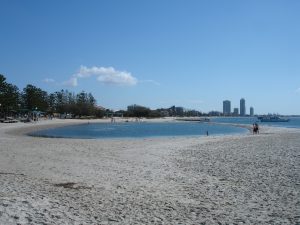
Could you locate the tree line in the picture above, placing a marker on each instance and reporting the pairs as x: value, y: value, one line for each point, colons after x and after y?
x: 32, y: 98
x: 80, y: 105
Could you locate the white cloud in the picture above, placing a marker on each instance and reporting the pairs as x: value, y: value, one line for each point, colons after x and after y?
x: 72, y: 82
x: 150, y: 81
x: 49, y: 80
x: 107, y: 75
x: 118, y: 79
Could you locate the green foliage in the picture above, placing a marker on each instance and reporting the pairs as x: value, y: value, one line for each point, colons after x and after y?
x: 85, y: 104
x: 99, y: 113
x: 138, y: 111
x: 82, y: 104
x: 154, y: 114
x: 35, y: 98
x: 9, y: 96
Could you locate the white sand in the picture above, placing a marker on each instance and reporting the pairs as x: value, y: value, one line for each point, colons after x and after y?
x: 246, y: 179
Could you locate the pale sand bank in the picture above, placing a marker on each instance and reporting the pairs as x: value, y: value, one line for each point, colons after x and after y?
x: 246, y: 179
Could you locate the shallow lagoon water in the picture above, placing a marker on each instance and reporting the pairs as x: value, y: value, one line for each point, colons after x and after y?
x: 139, y: 130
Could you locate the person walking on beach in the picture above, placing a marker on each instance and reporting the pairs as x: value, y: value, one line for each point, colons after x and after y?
x: 255, y: 128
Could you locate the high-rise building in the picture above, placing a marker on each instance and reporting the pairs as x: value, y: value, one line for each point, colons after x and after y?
x: 242, y: 107
x: 236, y: 111
x: 226, y: 108
x: 251, y: 111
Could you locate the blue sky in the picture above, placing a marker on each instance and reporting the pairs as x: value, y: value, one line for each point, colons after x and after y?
x: 156, y: 53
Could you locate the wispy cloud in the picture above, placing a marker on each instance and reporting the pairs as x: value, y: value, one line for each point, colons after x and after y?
x: 298, y: 91
x: 72, y: 82
x: 49, y: 80
x: 150, y: 81
x: 107, y: 75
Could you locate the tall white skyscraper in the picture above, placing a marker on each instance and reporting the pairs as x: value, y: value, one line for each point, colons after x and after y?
x: 242, y: 107
x: 251, y: 111
x: 236, y: 111
x: 226, y: 108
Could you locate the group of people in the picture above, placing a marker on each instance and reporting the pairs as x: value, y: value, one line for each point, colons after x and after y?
x: 255, y: 128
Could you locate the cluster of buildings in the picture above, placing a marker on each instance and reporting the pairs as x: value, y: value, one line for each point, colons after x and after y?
x: 236, y: 111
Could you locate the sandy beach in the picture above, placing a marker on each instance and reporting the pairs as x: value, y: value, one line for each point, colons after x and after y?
x: 242, y: 179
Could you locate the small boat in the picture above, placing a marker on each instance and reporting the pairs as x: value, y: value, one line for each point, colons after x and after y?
x: 273, y: 119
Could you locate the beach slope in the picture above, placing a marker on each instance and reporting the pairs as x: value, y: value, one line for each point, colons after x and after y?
x: 244, y: 179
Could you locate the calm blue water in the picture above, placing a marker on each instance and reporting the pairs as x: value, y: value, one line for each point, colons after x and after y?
x: 293, y: 123
x: 139, y: 130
